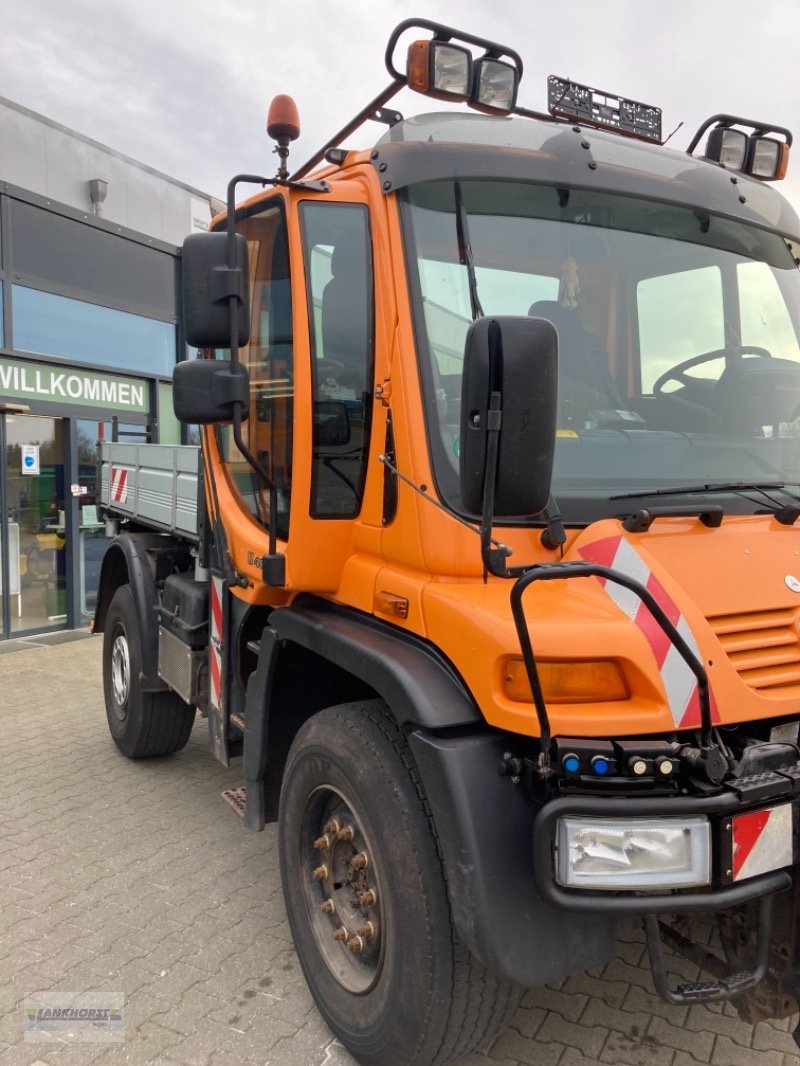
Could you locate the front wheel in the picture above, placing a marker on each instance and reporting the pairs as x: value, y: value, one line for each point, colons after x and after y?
x: 141, y: 723
x: 367, y: 899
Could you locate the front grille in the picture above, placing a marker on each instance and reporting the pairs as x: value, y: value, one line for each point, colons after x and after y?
x: 764, y: 649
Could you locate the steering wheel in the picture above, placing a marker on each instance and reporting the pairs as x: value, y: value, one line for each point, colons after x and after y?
x: 342, y: 375
x: 678, y: 372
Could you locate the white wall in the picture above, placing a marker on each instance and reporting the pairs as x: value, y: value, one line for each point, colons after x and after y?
x: 45, y: 158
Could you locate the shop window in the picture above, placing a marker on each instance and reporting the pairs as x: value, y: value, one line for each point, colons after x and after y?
x: 78, y: 259
x: 71, y: 329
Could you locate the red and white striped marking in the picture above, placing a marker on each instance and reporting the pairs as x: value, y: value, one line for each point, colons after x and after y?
x: 119, y: 484
x: 762, y: 841
x: 679, y: 682
x: 215, y: 644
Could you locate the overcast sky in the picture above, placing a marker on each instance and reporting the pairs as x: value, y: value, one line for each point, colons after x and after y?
x: 184, y: 85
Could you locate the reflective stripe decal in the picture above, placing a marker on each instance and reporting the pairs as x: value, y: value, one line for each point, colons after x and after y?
x: 119, y: 484
x: 679, y: 682
x: 215, y: 644
x: 762, y: 841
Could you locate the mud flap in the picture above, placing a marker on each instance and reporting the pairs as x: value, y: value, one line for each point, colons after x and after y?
x: 217, y: 671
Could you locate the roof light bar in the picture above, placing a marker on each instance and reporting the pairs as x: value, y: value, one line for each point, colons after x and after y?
x: 448, y: 71
x: 762, y: 157
x: 593, y: 107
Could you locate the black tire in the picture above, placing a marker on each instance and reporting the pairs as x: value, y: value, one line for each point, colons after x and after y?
x: 401, y: 989
x: 142, y: 723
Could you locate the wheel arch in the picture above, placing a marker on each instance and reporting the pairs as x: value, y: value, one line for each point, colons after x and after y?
x: 140, y: 560
x: 316, y: 654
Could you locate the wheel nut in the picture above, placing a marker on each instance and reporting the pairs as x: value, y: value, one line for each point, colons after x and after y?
x: 360, y: 861
x: 356, y: 945
x: 346, y: 834
x: 320, y: 873
x: 367, y: 931
x: 340, y: 933
x: 323, y: 842
x: 368, y: 898
x: 327, y: 906
x: 333, y: 826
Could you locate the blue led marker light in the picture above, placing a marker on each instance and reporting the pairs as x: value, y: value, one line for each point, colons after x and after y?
x: 571, y: 763
x: 600, y: 765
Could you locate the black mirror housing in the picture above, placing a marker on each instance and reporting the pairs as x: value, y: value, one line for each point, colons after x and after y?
x: 516, y: 357
x: 208, y: 283
x: 207, y: 390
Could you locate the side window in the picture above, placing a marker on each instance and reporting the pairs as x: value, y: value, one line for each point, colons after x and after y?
x: 338, y: 269
x: 766, y: 320
x: 679, y: 315
x: 269, y: 358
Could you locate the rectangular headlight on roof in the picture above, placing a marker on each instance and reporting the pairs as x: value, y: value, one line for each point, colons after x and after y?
x: 440, y: 70
x: 767, y: 158
x: 494, y: 85
x: 727, y: 146
x: 451, y: 70
x: 637, y: 854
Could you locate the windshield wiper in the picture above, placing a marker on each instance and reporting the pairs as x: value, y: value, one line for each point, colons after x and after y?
x: 713, y: 486
x: 465, y: 252
x: 786, y: 514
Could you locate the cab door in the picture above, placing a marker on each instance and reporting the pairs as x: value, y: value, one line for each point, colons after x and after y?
x: 338, y: 283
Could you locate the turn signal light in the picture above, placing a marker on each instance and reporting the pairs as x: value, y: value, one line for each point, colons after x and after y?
x: 567, y: 682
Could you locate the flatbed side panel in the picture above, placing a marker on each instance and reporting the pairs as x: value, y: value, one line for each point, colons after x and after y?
x: 153, y: 484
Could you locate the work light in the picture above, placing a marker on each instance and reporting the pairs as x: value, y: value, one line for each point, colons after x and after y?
x: 440, y: 70
x: 494, y: 85
x: 767, y: 158
x: 727, y: 146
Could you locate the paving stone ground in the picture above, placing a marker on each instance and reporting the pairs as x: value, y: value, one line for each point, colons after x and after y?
x: 134, y: 878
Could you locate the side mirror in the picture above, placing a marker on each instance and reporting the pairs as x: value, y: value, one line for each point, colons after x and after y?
x: 208, y: 283
x: 207, y: 390
x: 516, y: 358
x: 331, y: 424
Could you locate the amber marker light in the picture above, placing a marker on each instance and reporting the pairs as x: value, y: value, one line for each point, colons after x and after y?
x: 567, y: 682
x: 389, y: 603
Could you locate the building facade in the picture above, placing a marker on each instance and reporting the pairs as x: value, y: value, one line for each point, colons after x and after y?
x: 89, y: 335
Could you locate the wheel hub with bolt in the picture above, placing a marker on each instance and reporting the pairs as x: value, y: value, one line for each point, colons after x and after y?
x: 342, y: 891
x: 120, y: 673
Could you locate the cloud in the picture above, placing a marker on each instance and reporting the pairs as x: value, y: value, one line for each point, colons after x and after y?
x: 184, y: 85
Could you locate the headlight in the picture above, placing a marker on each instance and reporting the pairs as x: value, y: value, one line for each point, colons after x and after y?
x: 647, y: 853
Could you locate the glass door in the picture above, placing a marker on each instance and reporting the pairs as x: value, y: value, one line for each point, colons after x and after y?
x: 33, y: 524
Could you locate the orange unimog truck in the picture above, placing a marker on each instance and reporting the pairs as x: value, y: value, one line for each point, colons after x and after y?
x: 495, y: 577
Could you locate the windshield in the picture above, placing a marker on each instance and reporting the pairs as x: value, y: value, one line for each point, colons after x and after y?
x: 679, y: 362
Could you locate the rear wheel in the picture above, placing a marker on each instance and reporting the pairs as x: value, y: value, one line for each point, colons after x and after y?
x: 367, y: 900
x: 141, y: 723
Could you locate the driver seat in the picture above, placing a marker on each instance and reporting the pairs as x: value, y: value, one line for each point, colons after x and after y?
x: 584, y: 377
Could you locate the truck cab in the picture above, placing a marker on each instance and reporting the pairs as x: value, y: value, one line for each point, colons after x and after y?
x: 495, y: 580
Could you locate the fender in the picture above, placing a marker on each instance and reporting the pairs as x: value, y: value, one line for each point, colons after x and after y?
x: 138, y: 559
x: 419, y: 684
x: 481, y: 820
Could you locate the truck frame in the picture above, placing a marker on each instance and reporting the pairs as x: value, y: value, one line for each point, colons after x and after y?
x: 487, y: 566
